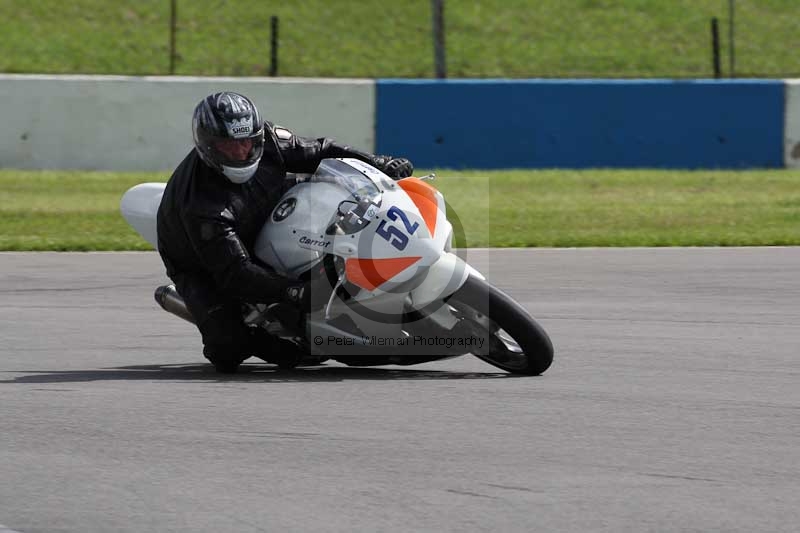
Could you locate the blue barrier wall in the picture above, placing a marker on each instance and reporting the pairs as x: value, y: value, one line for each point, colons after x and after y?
x: 582, y: 123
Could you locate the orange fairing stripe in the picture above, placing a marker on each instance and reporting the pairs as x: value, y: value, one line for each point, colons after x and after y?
x: 371, y: 273
x: 424, y: 197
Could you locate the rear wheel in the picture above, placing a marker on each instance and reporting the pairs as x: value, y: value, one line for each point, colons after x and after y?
x: 514, y: 341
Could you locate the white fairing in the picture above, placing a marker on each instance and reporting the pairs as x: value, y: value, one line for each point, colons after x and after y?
x: 443, y: 278
x: 139, y: 207
x: 394, y: 229
x: 293, y: 244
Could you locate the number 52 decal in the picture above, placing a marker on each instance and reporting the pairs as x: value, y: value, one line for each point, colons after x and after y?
x: 394, y: 235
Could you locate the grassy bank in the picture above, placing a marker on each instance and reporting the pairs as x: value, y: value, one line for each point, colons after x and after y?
x: 80, y: 210
x: 60, y: 210
x: 374, y: 38
x: 629, y: 208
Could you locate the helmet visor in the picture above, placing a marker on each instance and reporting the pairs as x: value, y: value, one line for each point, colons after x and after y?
x: 237, y: 152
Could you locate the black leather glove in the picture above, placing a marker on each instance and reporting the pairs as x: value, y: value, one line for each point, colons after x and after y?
x: 310, y: 295
x: 394, y: 167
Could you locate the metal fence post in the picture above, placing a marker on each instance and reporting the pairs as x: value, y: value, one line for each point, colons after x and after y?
x: 731, y: 53
x: 437, y: 7
x: 715, y: 46
x: 273, y: 46
x: 173, y: 27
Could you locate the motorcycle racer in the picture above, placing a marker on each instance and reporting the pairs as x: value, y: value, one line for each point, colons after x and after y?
x: 212, y: 209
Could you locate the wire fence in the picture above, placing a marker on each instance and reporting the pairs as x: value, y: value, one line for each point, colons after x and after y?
x: 405, y: 39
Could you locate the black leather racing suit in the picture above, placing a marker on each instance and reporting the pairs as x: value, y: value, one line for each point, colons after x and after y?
x: 207, y: 227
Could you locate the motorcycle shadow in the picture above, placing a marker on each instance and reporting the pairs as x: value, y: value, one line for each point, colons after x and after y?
x: 247, y: 372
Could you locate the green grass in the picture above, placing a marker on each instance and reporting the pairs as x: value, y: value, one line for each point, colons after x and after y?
x: 627, y: 207
x: 69, y: 210
x: 45, y: 210
x: 376, y: 38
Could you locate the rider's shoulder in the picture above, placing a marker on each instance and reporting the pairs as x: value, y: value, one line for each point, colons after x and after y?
x: 209, y: 199
x: 280, y: 132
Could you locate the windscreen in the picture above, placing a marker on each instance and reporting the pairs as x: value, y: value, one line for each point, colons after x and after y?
x: 340, y: 173
x: 356, y: 212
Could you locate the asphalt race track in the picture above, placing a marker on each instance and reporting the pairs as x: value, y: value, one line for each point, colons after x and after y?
x: 673, y: 405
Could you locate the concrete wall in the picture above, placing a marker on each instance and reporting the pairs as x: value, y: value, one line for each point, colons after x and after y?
x: 144, y: 123
x: 791, y: 147
x: 582, y: 123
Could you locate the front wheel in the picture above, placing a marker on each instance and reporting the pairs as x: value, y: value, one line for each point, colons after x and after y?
x: 515, y: 342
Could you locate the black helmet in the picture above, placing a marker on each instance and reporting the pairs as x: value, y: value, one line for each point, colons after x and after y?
x: 229, y: 134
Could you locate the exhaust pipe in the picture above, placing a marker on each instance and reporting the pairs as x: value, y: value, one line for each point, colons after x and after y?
x: 169, y: 300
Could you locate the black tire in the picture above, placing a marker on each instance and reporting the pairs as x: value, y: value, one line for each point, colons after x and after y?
x: 517, y: 343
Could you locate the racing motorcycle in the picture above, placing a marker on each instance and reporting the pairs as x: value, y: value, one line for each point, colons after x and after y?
x: 400, y: 293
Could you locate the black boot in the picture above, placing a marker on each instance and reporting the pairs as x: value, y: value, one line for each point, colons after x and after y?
x: 275, y: 350
x: 224, y: 362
